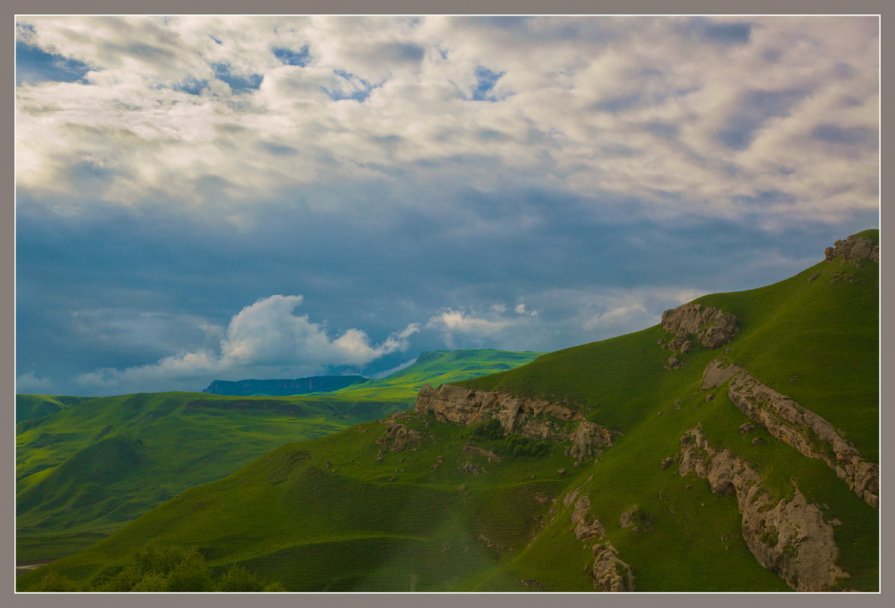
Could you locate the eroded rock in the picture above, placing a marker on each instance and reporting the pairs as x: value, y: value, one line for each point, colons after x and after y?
x: 398, y: 438
x: 585, y: 526
x: 854, y: 248
x: 610, y: 572
x: 711, y: 327
x: 588, y: 440
x: 537, y: 418
x: 796, y: 426
x: 789, y: 537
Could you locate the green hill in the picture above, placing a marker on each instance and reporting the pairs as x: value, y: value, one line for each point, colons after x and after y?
x: 37, y: 406
x: 571, y: 473
x: 65, y: 503
x: 437, y: 367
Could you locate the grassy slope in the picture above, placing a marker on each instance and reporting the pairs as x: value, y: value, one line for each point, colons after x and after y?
x: 815, y: 340
x: 437, y: 367
x: 37, y: 406
x: 325, y: 514
x: 66, y: 499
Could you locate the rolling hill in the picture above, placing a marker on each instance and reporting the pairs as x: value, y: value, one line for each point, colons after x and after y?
x: 732, y: 447
x: 86, y: 466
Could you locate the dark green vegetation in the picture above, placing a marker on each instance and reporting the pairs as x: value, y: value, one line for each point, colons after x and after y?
x: 296, y: 386
x: 87, y: 466
x: 468, y: 508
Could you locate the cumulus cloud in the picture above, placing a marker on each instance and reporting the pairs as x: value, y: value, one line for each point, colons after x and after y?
x: 453, y: 323
x: 30, y: 382
x: 266, y: 338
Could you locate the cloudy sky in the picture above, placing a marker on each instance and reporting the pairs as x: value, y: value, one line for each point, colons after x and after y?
x: 233, y: 197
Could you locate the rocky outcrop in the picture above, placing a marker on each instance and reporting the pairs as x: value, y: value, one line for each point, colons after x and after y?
x: 796, y: 426
x: 585, y: 527
x: 711, y: 327
x: 789, y: 537
x: 610, y: 572
x: 398, y: 438
x: 588, y: 440
x: 536, y: 418
x: 854, y: 248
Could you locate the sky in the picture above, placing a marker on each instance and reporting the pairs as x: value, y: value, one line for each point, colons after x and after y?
x: 207, y: 197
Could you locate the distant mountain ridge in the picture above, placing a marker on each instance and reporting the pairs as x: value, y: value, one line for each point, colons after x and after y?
x: 282, y: 387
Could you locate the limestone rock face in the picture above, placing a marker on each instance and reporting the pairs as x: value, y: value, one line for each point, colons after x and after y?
x: 854, y: 248
x: 610, y: 572
x: 398, y: 438
x: 796, y: 426
x: 789, y: 537
x: 588, y: 440
x: 712, y: 327
x: 537, y: 418
x: 585, y: 526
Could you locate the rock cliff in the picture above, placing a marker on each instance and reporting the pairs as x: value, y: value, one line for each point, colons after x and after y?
x: 711, y: 327
x: 854, y: 248
x: 526, y: 416
x: 789, y: 537
x: 796, y: 426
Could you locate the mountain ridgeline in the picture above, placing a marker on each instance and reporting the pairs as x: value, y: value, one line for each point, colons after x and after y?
x: 283, y: 387
x: 732, y: 447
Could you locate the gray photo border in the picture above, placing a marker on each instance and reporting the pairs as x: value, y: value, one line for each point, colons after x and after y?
x: 7, y: 299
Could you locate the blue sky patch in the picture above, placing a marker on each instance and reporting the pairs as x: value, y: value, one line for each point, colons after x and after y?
x: 222, y: 71
x: 485, y: 81
x: 191, y: 86
x: 34, y: 65
x: 301, y: 57
x: 360, y: 94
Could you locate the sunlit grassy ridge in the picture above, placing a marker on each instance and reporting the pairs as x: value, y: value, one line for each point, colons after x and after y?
x: 343, y: 513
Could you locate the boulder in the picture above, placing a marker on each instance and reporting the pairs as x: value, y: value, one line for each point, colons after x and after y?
x: 854, y: 248
x: 711, y: 327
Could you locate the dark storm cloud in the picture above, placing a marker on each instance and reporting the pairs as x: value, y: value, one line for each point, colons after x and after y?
x: 127, y: 274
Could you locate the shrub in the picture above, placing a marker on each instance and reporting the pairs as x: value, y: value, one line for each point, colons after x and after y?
x: 487, y: 430
x: 525, y: 447
x: 237, y: 578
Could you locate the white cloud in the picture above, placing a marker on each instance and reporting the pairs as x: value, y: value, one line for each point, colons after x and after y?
x: 461, y: 322
x: 30, y: 382
x: 265, y: 338
x: 646, y: 104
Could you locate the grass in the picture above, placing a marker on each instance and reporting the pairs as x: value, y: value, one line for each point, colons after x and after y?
x: 86, y: 466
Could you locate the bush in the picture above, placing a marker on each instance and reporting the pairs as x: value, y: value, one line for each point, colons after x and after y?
x: 237, y: 578
x: 487, y: 430
x: 525, y: 447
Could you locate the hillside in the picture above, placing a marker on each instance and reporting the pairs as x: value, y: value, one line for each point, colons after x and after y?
x: 86, y: 466
x: 38, y: 406
x: 733, y: 447
x: 437, y: 367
